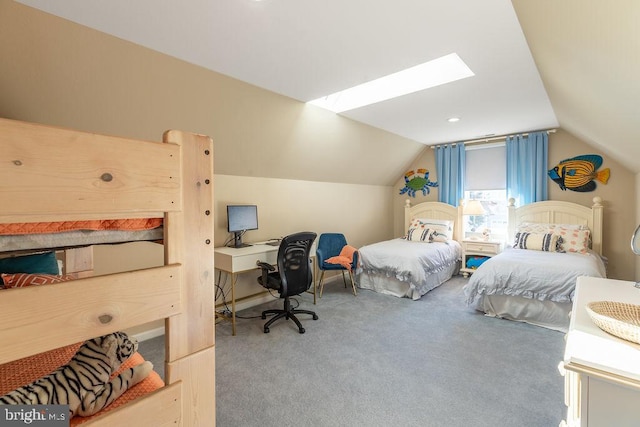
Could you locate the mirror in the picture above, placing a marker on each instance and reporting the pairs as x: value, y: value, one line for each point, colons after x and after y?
x: 635, y: 241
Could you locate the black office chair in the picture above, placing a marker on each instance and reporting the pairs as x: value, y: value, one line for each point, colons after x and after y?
x: 293, y: 276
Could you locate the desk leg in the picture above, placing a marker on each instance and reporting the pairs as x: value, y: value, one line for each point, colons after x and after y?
x: 234, y: 279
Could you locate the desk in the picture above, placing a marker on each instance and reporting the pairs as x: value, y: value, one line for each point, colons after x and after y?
x: 234, y: 261
x: 602, y: 377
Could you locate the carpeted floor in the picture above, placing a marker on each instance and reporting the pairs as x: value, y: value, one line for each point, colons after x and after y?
x: 377, y: 360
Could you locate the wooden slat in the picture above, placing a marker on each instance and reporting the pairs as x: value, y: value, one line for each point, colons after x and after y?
x: 189, y: 241
x: 40, y: 318
x: 78, y: 260
x: 160, y: 408
x: 50, y: 170
x: 196, y: 372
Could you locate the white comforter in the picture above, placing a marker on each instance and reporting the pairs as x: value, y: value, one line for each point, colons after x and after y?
x: 410, y: 262
x: 533, y: 274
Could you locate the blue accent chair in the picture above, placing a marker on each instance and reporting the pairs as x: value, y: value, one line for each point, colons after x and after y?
x: 330, y: 245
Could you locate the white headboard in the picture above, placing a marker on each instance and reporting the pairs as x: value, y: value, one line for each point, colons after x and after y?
x: 434, y: 210
x: 558, y: 212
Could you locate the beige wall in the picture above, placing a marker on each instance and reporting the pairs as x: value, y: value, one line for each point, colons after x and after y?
x: 60, y: 73
x: 290, y: 159
x: 288, y: 206
x: 618, y: 195
x: 269, y: 149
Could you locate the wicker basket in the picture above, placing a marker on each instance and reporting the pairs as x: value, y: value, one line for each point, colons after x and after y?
x: 617, y: 318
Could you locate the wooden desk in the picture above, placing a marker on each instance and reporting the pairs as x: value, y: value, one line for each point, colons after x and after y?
x: 234, y: 261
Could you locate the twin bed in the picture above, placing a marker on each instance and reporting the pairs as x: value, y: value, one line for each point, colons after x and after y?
x: 412, y: 266
x: 533, y: 283
x: 52, y: 176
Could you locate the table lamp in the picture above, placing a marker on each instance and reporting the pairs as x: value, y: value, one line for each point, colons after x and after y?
x: 474, y: 208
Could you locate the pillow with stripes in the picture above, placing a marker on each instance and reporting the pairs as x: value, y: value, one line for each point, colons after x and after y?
x: 546, y: 242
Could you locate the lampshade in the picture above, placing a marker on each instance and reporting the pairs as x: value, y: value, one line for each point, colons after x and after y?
x: 473, y: 207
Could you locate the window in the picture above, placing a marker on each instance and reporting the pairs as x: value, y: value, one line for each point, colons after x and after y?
x: 485, y: 180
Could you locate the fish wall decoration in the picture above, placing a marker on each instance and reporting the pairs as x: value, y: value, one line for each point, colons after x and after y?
x: 579, y: 173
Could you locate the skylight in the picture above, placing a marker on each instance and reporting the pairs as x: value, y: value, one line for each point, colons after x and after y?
x: 437, y: 72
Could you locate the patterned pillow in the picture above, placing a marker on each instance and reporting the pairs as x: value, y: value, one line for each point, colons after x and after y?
x: 23, y: 280
x: 546, y: 242
x: 575, y: 241
x: 418, y: 234
x: 544, y: 227
x: 441, y: 229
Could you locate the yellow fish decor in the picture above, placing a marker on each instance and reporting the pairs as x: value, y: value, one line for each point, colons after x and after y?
x: 579, y: 173
x: 417, y: 181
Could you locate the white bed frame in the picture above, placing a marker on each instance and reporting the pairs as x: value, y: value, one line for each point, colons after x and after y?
x: 558, y: 212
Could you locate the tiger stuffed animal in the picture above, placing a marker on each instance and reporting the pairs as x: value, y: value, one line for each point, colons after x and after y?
x: 84, y: 383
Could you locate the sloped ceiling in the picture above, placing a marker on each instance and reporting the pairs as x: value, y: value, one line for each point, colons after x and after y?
x: 588, y: 55
x: 538, y: 64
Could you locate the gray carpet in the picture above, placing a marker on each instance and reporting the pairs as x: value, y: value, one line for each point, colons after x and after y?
x: 376, y: 360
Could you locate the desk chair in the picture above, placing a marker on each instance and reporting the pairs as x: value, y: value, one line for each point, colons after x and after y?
x: 330, y: 245
x: 293, y: 276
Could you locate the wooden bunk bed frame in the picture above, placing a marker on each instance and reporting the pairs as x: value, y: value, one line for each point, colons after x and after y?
x: 53, y: 174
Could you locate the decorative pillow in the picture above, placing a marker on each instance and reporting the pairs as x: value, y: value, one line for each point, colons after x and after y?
x: 546, y: 242
x: 37, y: 263
x: 545, y: 227
x: 418, y: 234
x: 576, y: 241
x: 23, y: 280
x: 442, y: 227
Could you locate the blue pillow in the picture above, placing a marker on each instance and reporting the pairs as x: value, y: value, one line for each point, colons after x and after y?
x: 44, y: 263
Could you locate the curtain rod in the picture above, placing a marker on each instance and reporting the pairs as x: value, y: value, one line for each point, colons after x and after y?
x: 493, y: 138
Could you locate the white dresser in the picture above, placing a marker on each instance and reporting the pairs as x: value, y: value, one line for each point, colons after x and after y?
x: 602, y: 377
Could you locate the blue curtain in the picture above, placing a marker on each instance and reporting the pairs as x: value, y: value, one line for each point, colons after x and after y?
x: 527, y: 167
x: 450, y: 166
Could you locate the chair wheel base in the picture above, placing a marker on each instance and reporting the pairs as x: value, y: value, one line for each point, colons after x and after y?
x: 315, y: 317
x: 301, y: 330
x: 266, y: 330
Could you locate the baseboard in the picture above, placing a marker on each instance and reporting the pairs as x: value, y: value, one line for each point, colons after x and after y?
x: 147, y: 335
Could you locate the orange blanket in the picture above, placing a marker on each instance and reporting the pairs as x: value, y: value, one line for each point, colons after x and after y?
x: 131, y: 224
x: 345, y: 258
x: 23, y: 371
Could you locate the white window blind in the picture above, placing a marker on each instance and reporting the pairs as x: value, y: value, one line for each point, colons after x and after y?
x: 486, y: 168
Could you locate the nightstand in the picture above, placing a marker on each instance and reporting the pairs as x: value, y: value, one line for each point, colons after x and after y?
x: 472, y: 248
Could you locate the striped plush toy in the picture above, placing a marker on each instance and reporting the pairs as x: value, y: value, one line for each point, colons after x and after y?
x: 84, y: 383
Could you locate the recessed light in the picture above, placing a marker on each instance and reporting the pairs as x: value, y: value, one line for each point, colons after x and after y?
x: 437, y: 72
x: 453, y: 119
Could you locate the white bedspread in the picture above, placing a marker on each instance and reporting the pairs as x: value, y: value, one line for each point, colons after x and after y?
x: 533, y: 274
x: 409, y: 262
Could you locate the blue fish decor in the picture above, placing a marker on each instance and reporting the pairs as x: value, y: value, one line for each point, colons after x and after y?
x: 417, y: 181
x: 579, y: 173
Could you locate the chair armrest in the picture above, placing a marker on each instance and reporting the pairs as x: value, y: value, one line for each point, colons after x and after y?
x: 265, y: 266
x: 320, y: 256
x: 354, y: 263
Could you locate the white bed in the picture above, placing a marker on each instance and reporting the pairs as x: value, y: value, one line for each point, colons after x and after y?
x: 410, y: 269
x: 535, y: 286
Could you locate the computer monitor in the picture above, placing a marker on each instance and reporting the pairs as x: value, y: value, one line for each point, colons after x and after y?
x: 241, y: 218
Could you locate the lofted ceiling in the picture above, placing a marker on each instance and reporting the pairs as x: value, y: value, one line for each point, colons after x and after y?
x: 574, y: 66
